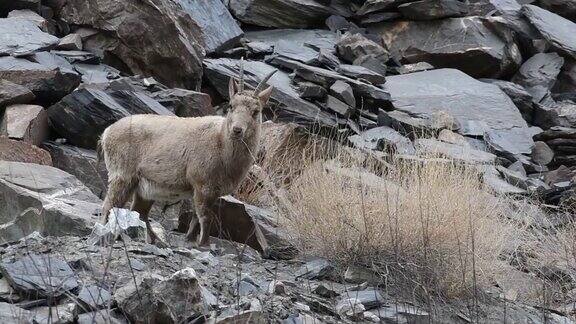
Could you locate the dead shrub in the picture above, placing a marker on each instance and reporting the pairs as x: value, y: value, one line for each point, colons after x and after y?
x: 425, y: 228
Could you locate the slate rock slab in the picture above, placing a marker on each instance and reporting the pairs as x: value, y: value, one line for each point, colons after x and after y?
x: 370, y: 298
x: 44, y: 199
x: 280, y: 13
x: 12, y: 93
x: 511, y: 142
x: 314, y: 46
x: 83, y: 115
x: 433, y: 9
x: 10, y: 313
x: 557, y: 30
x: 467, y: 44
x: 315, y: 269
x: 359, y: 72
x: 94, y: 297
x: 455, y: 152
x: 538, y: 74
x: 474, y: 105
x: 521, y: 98
x: 219, y: 30
x: 22, y: 37
x: 49, y: 84
x: 40, y: 276
x: 383, y: 138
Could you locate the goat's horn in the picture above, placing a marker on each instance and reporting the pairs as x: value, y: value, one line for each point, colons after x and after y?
x: 262, y: 83
x: 241, y: 74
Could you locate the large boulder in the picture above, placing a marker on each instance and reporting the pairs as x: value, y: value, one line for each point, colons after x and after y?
x: 467, y: 44
x: 45, y: 199
x: 558, y: 31
x: 280, y: 13
x: 151, y: 37
x: 218, y: 29
x: 252, y: 226
x: 288, y: 104
x: 83, y: 115
x: 18, y: 151
x: 538, y: 74
x: 49, y: 84
x: 475, y: 106
x: 22, y: 37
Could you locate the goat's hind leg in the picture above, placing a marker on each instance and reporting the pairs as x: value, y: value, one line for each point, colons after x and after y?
x: 119, y: 190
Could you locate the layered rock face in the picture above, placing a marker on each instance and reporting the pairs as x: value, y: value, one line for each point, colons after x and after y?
x: 486, y: 84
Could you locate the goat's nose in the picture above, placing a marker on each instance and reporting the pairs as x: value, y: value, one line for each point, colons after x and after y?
x: 237, y: 130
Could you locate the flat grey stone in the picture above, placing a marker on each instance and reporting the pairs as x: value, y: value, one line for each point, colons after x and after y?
x: 475, y: 106
x: 40, y: 276
x: 452, y: 151
x: 22, y: 37
x: 468, y: 44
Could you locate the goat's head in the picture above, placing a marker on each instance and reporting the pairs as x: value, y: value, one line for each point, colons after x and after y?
x: 245, y: 112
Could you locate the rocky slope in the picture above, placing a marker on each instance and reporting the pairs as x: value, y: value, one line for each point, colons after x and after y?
x: 491, y: 83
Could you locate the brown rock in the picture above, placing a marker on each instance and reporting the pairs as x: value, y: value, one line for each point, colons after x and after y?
x: 16, y: 151
x: 149, y: 37
x: 12, y: 93
x: 28, y: 123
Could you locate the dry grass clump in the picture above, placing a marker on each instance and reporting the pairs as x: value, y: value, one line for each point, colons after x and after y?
x: 428, y: 229
x: 431, y: 227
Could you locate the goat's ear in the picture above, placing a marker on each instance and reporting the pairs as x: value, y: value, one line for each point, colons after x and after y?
x: 232, y: 88
x: 265, y: 95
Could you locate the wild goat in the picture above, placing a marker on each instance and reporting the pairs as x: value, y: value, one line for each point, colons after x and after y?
x: 170, y: 158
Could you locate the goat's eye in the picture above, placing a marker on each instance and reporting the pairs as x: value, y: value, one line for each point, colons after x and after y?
x: 255, y: 114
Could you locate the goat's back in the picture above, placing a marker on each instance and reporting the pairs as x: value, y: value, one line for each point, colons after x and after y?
x: 158, y: 147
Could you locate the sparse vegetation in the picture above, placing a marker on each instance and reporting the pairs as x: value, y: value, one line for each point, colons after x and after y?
x: 424, y: 229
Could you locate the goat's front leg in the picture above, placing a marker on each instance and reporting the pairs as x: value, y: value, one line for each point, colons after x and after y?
x: 119, y: 190
x: 203, y: 204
